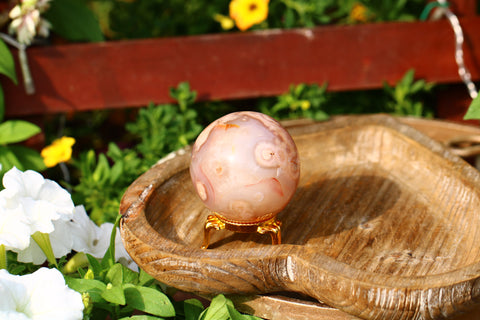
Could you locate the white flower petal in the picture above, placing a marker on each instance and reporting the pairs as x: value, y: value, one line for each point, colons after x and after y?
x: 9, y: 291
x: 14, y: 229
x: 84, y: 231
x: 61, y: 239
x: 43, y: 29
x: 31, y: 254
x: 15, y: 12
x: 16, y: 181
x: 13, y: 315
x: 43, y: 201
x: 23, y: 35
x: 41, y: 295
x: 59, y: 197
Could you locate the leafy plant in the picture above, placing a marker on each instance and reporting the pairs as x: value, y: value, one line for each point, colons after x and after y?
x: 113, y: 291
x: 7, y: 68
x: 104, y: 179
x: 160, y: 129
x: 162, y: 18
x: 395, y: 10
x: 301, y: 101
x: 165, y: 128
x: 405, y: 98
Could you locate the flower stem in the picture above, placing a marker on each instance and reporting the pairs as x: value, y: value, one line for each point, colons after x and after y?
x: 3, y: 257
x: 43, y: 241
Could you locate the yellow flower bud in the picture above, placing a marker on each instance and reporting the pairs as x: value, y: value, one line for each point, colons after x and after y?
x: 225, y: 22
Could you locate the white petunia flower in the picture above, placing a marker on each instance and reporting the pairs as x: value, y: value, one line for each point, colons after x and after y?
x: 94, y: 240
x: 14, y: 230
x: 41, y: 200
x: 61, y: 240
x: 41, y: 295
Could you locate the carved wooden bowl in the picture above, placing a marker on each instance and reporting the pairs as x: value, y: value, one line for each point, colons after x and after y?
x: 385, y: 224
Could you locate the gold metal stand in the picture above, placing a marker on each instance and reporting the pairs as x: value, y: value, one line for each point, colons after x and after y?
x: 216, y: 222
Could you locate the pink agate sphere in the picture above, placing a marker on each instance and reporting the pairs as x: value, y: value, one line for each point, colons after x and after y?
x: 245, y: 167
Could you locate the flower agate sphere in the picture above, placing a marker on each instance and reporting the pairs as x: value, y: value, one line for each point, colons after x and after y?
x: 245, y: 167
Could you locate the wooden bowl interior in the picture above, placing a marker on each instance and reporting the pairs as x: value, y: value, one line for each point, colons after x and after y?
x: 368, y: 197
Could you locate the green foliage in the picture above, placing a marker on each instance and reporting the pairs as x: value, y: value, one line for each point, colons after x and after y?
x: 395, y: 10
x: 307, y: 13
x: 162, y: 18
x: 7, y: 68
x: 222, y: 308
x: 14, y: 131
x: 301, y: 101
x: 473, y: 111
x: 112, y: 291
x: 408, y: 97
x: 74, y: 21
x: 168, y: 127
x: 103, y: 182
x: 160, y: 129
x: 404, y: 97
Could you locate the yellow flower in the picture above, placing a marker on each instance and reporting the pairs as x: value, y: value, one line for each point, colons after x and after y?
x: 59, y: 151
x: 224, y: 21
x: 305, y: 105
x: 246, y: 13
x: 359, y: 13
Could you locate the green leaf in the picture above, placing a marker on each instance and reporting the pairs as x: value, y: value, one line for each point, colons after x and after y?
x: 141, y: 317
x: 102, y: 171
x: 407, y: 79
x: 2, y: 104
x: 84, y: 285
x: 473, y: 111
x: 193, y: 308
x: 129, y: 276
x: 8, y: 159
x: 144, y: 279
x: 115, y: 275
x: 149, y: 300
x: 222, y: 308
x: 13, y: 131
x: 109, y: 257
x: 29, y: 158
x: 94, y: 265
x: 118, y: 275
x: 73, y: 20
x: 217, y: 310
x: 95, y: 288
x: 7, y: 65
x: 114, y: 294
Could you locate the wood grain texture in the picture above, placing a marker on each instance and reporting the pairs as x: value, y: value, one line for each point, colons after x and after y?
x: 384, y: 225
x: 117, y: 74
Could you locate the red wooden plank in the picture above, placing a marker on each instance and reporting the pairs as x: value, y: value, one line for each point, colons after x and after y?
x: 463, y: 8
x: 227, y: 66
